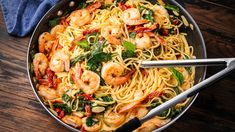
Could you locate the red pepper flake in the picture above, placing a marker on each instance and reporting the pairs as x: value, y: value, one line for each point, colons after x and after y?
x: 175, y: 22
x: 61, y: 114
x: 50, y: 75
x: 86, y: 96
x: 164, y: 31
x: 88, y: 110
x: 123, y: 7
x: 141, y: 29
x: 93, y: 6
x: 153, y: 95
x: 89, y: 31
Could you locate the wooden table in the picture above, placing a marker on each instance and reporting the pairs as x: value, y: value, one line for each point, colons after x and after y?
x: 214, y: 109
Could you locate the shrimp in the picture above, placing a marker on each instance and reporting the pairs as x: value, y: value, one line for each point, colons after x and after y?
x: 111, y: 33
x: 59, y: 62
x: 113, y: 119
x: 72, y: 120
x: 89, y: 82
x: 132, y: 16
x: 139, y: 112
x: 94, y: 128
x: 160, y: 10
x: 143, y: 42
x: 138, y: 97
x: 151, y: 125
x: 79, y: 18
x: 91, y: 8
x: 57, y: 29
x: 112, y: 74
x: 47, y: 93
x: 45, y: 42
x: 40, y: 65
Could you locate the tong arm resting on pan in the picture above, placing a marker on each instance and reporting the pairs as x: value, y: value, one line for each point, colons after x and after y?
x: 136, y: 122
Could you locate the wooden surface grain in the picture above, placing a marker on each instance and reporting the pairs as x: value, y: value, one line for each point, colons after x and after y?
x: 214, y: 109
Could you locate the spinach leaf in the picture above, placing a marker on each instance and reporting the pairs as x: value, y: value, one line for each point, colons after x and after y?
x: 148, y: 15
x: 97, y: 58
x: 129, y: 46
x: 132, y: 35
x: 54, y: 22
x: 172, y: 7
x: 107, y: 98
x: 83, y: 44
x: 64, y: 107
x: 82, y: 5
x: 78, y: 59
x: 66, y: 97
x: 90, y: 121
x: 130, y: 50
x: 179, y: 77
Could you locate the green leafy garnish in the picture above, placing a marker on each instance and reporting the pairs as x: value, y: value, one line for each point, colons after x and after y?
x: 132, y: 34
x: 174, y: 112
x: 83, y: 44
x: 177, y: 90
x: 172, y: 7
x: 82, y: 5
x: 54, y: 22
x: 107, y: 98
x: 90, y: 121
x: 97, y: 58
x: 130, y: 50
x: 178, y: 76
x: 148, y: 15
x: 154, y: 104
x: 64, y: 107
x: 66, y: 97
x: 77, y: 59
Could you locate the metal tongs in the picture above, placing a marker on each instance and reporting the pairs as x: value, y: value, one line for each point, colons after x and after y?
x: 229, y: 62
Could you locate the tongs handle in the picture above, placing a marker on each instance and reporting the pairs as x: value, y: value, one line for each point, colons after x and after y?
x: 136, y: 122
x: 186, y: 63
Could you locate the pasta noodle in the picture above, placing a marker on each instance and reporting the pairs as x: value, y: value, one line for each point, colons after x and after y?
x: 88, y: 67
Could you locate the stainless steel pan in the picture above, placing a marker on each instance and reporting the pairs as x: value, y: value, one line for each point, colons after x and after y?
x: 194, y: 38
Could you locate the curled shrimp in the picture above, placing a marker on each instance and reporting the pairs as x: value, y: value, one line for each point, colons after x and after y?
x: 45, y: 42
x: 94, y: 128
x: 138, y: 97
x: 59, y: 62
x: 79, y: 17
x: 139, y: 112
x: 47, y: 93
x: 89, y: 82
x: 160, y: 10
x: 72, y: 120
x: 113, y: 119
x: 111, y: 33
x: 40, y: 65
x: 57, y: 29
x: 132, y: 16
x: 143, y: 42
x: 112, y: 74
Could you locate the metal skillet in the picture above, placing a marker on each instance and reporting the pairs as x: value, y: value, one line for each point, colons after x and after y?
x: 194, y: 37
x: 229, y: 62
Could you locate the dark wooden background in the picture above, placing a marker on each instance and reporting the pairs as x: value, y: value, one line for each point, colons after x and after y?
x: 214, y: 109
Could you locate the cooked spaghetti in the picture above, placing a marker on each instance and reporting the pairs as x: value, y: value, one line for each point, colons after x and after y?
x: 88, y: 72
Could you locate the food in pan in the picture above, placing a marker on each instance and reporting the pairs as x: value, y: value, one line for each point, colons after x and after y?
x: 87, y: 69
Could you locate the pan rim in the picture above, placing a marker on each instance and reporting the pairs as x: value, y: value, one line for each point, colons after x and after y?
x: 74, y: 129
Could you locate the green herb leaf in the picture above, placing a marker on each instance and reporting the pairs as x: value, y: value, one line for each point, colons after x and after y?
x: 127, y: 54
x: 97, y: 58
x: 129, y: 46
x: 64, y: 107
x: 179, y: 77
x: 172, y: 7
x: 83, y: 44
x: 107, y: 98
x: 82, y: 5
x: 78, y: 59
x: 66, y: 97
x: 90, y: 121
x: 177, y: 90
x: 132, y: 34
x: 54, y: 22
x: 174, y: 112
x: 149, y: 15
